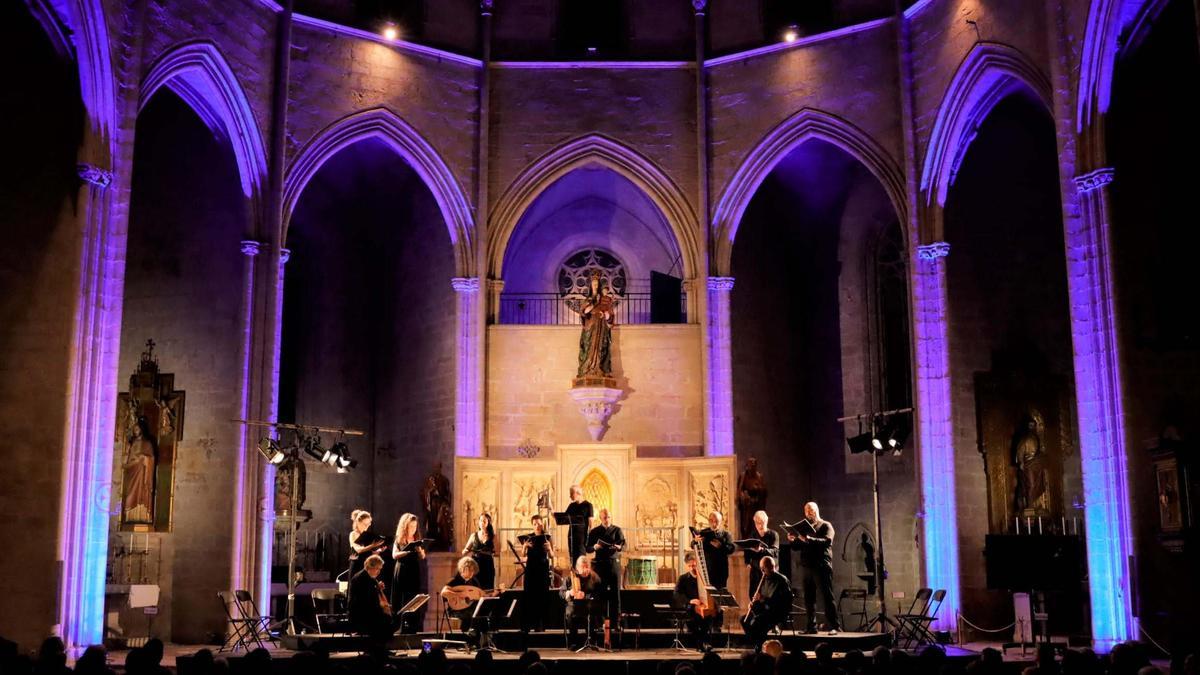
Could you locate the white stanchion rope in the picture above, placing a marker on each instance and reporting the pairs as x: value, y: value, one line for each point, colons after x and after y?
x: 986, y: 630
x: 1153, y: 641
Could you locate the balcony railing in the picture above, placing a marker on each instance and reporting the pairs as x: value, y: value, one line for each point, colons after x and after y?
x: 548, y: 309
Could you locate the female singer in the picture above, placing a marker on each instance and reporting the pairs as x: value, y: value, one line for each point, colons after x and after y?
x: 406, y: 576
x: 481, y: 546
x: 363, y: 540
x: 538, y: 552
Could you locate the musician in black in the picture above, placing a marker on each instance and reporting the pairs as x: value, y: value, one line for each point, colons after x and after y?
x: 408, y: 551
x: 481, y: 546
x: 606, y: 541
x: 468, y: 575
x: 816, y: 567
x: 581, y: 589
x: 538, y: 551
x: 580, y: 512
x: 717, y: 544
x: 369, y: 612
x: 687, y: 595
x: 363, y: 540
x: 769, y: 605
x: 768, y: 548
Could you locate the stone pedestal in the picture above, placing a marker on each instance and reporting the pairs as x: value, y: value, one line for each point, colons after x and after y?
x: 596, y: 405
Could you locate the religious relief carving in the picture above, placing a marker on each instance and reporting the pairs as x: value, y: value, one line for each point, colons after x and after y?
x: 90, y: 173
x: 597, y: 489
x: 149, y: 429
x: 435, y: 499
x: 710, y: 492
x: 525, y: 490
x: 656, y: 506
x: 752, y: 495
x: 480, y: 494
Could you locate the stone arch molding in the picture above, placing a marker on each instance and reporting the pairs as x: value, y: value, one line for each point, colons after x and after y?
x: 805, y: 125
x: 988, y: 74
x: 200, y: 75
x: 386, y: 126
x: 593, y: 150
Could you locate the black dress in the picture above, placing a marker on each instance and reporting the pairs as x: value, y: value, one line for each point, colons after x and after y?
x: 406, y: 581
x: 537, y: 582
x: 482, y: 552
x: 365, y: 538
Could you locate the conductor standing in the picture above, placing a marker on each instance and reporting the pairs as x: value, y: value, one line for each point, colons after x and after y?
x: 816, y: 567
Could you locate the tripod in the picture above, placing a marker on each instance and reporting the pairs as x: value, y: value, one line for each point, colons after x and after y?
x: 588, y: 645
x: 882, y: 622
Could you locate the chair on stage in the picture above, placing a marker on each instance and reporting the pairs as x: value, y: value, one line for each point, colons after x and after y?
x: 333, y: 602
x: 259, y: 623
x: 854, y: 595
x: 241, y: 629
x: 914, y: 628
x: 920, y: 604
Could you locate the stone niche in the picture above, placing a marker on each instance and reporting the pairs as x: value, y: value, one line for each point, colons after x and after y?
x: 651, y: 499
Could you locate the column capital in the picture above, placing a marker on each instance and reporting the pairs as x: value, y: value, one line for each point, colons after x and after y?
x: 284, y: 255
x: 933, y: 251
x: 720, y: 284
x: 1093, y: 180
x: 90, y: 173
x: 485, y: 7
x: 251, y: 247
x: 699, y: 5
x: 465, y: 284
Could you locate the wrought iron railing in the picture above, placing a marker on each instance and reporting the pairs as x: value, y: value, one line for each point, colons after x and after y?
x: 549, y: 309
x: 321, y: 554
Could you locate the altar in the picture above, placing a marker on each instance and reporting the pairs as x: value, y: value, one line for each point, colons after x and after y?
x: 652, y: 499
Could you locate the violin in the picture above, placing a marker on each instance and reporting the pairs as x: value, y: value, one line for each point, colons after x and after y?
x: 383, y: 601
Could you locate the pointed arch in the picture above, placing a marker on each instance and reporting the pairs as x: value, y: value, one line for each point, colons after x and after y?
x: 807, y: 124
x: 990, y: 73
x: 593, y: 150
x: 199, y: 74
x: 386, y: 126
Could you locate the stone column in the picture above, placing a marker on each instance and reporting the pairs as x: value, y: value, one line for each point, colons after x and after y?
x: 468, y: 418
x: 719, y: 422
x: 495, y: 287
x: 245, y: 508
x: 1094, y: 334
x: 934, y: 426
x: 88, y: 456
x: 265, y: 497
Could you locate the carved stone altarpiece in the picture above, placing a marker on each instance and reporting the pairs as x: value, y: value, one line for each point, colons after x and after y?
x: 148, y: 432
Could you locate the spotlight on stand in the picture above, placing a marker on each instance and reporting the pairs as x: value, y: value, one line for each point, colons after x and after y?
x: 791, y: 33
x: 894, y: 434
x: 860, y: 443
x: 269, y: 448
x: 339, y: 458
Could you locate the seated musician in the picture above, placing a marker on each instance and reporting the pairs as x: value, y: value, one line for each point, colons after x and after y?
x: 460, y: 597
x: 579, y: 589
x: 369, y: 612
x: 687, y: 594
x: 770, y: 604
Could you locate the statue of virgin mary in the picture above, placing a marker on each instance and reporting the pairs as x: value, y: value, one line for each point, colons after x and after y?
x: 597, y: 311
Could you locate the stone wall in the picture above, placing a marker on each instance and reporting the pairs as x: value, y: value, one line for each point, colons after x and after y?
x: 530, y: 370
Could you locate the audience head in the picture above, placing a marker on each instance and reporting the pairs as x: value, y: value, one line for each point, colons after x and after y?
x: 52, y: 653
x: 772, y: 648
x: 824, y: 654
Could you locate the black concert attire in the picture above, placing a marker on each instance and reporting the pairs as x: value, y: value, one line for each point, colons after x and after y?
x: 816, y: 573
x: 606, y: 563
x: 366, y: 614
x: 772, y: 607
x: 481, y: 552
x: 771, y: 539
x: 537, y: 582
x: 716, y: 558
x: 364, y: 538
x: 406, y: 584
x: 590, y: 606
x: 464, y: 614
x: 577, y: 532
x: 687, y: 588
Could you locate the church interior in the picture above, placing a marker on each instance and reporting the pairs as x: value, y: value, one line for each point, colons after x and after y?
x: 268, y: 264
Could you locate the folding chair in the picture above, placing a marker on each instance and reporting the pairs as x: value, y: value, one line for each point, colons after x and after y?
x: 240, y: 628
x: 334, y: 601
x: 918, y: 609
x: 258, y: 623
x: 918, y: 626
x: 854, y: 595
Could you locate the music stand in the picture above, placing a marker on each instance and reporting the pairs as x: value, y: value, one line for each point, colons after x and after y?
x: 413, y: 606
x: 726, y: 602
x: 488, y: 610
x: 520, y: 563
x: 678, y: 617
x: 588, y: 645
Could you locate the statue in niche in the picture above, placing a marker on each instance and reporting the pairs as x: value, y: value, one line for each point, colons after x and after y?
x: 752, y: 496
x: 1029, y: 456
x: 284, y: 500
x: 140, y: 460
x: 435, y: 498
x: 597, y: 311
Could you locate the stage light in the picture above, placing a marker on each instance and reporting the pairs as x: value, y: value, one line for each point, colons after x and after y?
x: 860, y: 443
x: 390, y: 32
x: 791, y: 34
x: 896, y: 431
x: 269, y: 448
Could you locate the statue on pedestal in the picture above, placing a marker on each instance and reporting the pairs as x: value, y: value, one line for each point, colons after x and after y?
x: 752, y: 496
x: 1029, y: 456
x: 597, y: 310
x: 140, y: 460
x: 435, y: 498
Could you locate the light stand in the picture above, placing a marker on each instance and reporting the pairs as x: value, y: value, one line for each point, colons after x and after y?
x: 290, y: 458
